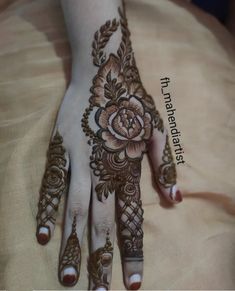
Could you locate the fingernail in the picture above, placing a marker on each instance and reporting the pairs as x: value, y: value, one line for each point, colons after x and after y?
x: 69, y: 276
x: 101, y: 289
x: 176, y: 194
x: 43, y: 235
x: 134, y: 282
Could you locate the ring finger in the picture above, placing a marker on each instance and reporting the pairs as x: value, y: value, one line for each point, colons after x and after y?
x: 76, y: 214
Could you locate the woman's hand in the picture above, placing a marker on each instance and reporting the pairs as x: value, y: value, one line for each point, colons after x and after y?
x: 95, y: 153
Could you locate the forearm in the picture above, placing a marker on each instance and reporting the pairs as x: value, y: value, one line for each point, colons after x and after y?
x: 83, y: 18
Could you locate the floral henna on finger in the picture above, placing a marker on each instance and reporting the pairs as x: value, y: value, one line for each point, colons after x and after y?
x: 54, y: 184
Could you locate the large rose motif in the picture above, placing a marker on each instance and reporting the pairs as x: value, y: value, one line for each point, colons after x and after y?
x: 125, y: 126
x: 54, y: 179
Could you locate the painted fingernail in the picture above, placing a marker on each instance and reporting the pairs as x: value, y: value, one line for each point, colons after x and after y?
x: 176, y: 194
x: 43, y: 235
x: 134, y: 282
x: 69, y: 276
x: 101, y: 289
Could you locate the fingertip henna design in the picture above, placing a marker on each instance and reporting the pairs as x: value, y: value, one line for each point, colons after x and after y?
x: 98, y: 264
x: 71, y: 257
x: 167, y: 170
x: 53, y: 185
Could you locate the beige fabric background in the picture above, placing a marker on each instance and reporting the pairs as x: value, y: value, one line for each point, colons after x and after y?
x: 190, y: 246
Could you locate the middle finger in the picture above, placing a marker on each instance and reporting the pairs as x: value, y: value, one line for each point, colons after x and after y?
x: 102, y: 235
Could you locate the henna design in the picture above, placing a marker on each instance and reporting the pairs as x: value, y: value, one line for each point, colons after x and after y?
x: 100, y: 40
x: 72, y: 254
x: 167, y: 170
x: 53, y: 184
x: 99, y: 262
x: 125, y: 116
x: 130, y: 217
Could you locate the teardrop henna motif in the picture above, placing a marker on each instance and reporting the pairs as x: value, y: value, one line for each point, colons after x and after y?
x: 71, y: 256
x: 98, y: 263
x: 53, y: 184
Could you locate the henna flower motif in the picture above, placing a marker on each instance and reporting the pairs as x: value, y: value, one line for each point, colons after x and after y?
x: 125, y: 126
x: 54, y: 179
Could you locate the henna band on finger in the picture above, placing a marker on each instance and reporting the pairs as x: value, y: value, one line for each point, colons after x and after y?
x: 53, y: 184
x: 130, y: 219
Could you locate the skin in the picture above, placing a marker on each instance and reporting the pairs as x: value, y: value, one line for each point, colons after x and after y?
x: 82, y: 23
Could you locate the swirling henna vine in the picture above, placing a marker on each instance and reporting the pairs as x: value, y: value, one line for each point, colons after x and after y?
x: 167, y: 170
x: 53, y: 184
x: 72, y: 254
x: 99, y: 263
x: 125, y: 116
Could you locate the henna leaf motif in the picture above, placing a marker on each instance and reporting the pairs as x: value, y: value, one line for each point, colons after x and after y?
x: 100, y: 40
x: 113, y: 88
x: 104, y: 188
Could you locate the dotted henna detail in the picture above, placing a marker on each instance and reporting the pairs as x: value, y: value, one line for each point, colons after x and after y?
x: 53, y: 184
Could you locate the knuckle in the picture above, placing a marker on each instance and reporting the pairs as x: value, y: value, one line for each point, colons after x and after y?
x: 103, y: 226
x: 78, y: 209
x: 77, y: 186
